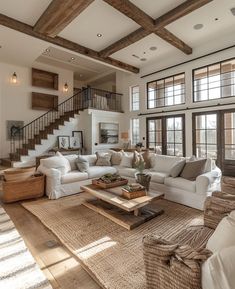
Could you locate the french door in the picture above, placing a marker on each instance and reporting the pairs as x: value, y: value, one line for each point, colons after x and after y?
x: 166, y: 135
x: 214, y: 137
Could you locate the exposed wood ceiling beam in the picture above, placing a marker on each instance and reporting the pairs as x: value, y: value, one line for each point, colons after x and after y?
x: 173, y: 40
x: 130, y: 10
x: 58, y: 15
x: 27, y: 29
x: 140, y: 17
x: 178, y: 12
x: 125, y: 41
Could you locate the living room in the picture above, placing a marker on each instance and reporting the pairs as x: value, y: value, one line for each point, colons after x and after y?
x: 117, y: 149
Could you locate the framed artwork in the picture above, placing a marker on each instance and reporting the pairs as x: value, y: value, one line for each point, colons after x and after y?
x: 75, y: 142
x: 77, y: 134
x: 13, y: 129
x: 63, y: 142
x: 109, y: 133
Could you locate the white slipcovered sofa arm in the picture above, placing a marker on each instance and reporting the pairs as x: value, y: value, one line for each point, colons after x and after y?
x: 208, y: 182
x: 53, y: 180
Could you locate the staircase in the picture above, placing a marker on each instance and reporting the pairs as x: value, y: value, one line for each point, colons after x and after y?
x: 28, y: 137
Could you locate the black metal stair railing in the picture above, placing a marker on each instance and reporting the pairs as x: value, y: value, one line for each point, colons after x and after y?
x: 25, y: 138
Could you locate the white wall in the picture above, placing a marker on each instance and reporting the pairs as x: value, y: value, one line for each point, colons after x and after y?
x: 126, y: 81
x: 15, y: 100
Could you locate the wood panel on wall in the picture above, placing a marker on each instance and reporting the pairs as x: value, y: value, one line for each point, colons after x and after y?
x: 45, y: 79
x: 42, y: 101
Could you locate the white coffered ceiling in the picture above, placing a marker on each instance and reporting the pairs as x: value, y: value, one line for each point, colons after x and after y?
x: 100, y: 17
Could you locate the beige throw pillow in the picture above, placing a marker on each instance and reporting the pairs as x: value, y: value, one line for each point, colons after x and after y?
x: 116, y: 157
x: 103, y: 159
x: 177, y: 168
x: 147, y: 159
x: 193, y: 169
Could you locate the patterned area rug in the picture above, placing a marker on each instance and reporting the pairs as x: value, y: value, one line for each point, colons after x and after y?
x: 18, y: 269
x: 112, y: 254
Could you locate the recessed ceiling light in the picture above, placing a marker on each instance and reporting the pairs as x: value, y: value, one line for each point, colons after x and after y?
x: 99, y: 35
x: 233, y: 11
x: 143, y: 59
x: 47, y: 50
x: 153, y: 48
x: 198, y: 26
x: 72, y: 58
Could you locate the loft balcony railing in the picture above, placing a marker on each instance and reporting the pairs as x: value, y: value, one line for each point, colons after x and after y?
x: 27, y: 137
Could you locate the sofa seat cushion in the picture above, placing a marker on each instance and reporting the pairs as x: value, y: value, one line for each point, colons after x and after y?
x: 181, y: 183
x: 158, y: 177
x: 98, y: 171
x: 126, y: 172
x: 74, y: 176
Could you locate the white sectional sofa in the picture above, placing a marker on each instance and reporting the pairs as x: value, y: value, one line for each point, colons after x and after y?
x: 177, y: 189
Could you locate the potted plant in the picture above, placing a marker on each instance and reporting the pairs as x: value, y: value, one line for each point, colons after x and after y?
x: 141, y: 177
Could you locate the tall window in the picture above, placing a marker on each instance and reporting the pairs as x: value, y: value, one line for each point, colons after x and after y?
x: 166, y: 135
x: 214, y: 81
x: 229, y: 135
x: 166, y: 92
x: 135, y: 98
x: 135, y: 126
x: 205, y: 135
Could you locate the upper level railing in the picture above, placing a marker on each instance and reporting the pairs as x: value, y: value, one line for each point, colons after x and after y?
x: 26, y: 137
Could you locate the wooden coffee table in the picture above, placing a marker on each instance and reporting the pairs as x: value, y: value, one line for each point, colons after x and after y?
x: 127, y: 213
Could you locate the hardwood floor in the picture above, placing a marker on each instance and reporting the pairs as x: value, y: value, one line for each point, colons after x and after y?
x: 57, y: 263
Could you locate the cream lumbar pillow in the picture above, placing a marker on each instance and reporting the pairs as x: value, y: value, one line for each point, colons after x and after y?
x: 126, y: 161
x: 177, y: 168
x: 103, y: 159
x: 224, y: 234
x: 218, y: 270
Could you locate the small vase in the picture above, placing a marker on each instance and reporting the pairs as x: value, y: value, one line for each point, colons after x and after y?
x: 143, y: 179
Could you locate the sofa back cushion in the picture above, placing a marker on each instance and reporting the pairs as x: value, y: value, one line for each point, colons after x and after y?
x: 91, y: 159
x: 58, y: 162
x: 193, y: 169
x: 163, y: 163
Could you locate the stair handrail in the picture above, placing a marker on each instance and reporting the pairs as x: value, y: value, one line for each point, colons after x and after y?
x: 54, y: 108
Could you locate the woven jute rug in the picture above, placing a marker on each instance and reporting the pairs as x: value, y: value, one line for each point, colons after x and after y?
x: 112, y: 254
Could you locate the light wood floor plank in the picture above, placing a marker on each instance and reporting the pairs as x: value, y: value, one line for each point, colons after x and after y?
x: 58, y: 264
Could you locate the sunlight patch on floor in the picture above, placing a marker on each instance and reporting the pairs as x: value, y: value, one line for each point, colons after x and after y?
x: 95, y: 247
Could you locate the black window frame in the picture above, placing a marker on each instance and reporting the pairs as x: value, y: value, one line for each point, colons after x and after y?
x: 207, y: 66
x: 160, y: 79
x: 164, y: 131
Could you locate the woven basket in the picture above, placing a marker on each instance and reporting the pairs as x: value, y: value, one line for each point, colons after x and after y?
x: 14, y: 191
x: 18, y: 174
